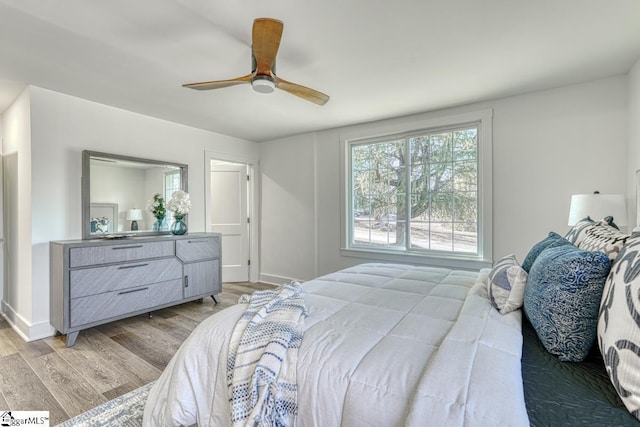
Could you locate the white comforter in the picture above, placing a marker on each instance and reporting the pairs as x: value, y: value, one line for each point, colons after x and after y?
x: 384, y: 345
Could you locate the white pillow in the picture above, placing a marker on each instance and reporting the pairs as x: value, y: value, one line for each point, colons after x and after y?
x: 506, y: 284
x: 619, y: 325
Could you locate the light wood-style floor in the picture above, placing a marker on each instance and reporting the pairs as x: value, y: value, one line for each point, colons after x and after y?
x: 106, y: 361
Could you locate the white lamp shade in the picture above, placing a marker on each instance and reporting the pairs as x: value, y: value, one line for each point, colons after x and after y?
x: 598, y: 206
x: 134, y: 214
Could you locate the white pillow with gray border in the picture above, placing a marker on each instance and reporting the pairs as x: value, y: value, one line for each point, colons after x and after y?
x: 507, y: 281
x: 619, y: 325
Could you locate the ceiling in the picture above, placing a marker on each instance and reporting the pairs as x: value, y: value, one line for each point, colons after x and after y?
x: 376, y: 59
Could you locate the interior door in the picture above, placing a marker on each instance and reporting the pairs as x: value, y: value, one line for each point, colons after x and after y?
x: 229, y: 216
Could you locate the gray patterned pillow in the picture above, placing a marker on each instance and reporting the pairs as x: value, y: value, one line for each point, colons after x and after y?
x: 604, y: 238
x: 576, y: 233
x: 619, y: 325
x: 506, y: 284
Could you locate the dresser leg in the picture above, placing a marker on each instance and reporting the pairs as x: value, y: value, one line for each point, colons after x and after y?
x: 150, y: 314
x: 71, y: 338
x: 214, y: 299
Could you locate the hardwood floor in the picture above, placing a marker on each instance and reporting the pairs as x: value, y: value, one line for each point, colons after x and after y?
x: 107, y: 361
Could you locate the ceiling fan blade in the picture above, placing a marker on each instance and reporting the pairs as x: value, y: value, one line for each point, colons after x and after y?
x: 302, y: 91
x: 217, y: 84
x: 266, y: 36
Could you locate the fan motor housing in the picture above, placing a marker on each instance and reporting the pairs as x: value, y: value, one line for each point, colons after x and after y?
x: 263, y: 84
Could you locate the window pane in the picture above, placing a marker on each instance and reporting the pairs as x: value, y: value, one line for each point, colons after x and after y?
x: 465, y: 176
x: 465, y: 145
x: 465, y: 237
x: 466, y: 207
x: 420, y: 234
x: 441, y: 235
x: 378, y: 181
x: 440, y: 145
x: 442, y: 207
x: 441, y: 177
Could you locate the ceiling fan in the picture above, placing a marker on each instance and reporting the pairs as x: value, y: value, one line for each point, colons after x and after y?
x: 266, y: 37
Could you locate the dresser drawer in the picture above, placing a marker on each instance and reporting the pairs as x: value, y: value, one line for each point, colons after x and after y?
x: 131, y: 251
x: 96, y: 280
x: 197, y: 249
x: 99, y: 307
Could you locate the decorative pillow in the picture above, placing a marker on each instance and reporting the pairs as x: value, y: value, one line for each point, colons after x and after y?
x: 576, y: 233
x: 506, y: 284
x: 562, y: 297
x: 605, y: 238
x: 619, y: 325
x: 552, y: 241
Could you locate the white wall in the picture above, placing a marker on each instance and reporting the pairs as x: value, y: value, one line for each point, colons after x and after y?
x: 17, y: 298
x: 113, y: 184
x: 288, y: 209
x: 549, y: 145
x: 61, y: 127
x: 2, y: 252
x: 546, y: 146
x: 633, y: 140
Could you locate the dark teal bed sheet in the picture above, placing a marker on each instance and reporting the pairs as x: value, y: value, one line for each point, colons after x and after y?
x: 565, y: 393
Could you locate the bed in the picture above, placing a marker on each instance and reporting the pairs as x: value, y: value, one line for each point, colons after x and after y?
x: 391, y: 344
x: 366, y: 342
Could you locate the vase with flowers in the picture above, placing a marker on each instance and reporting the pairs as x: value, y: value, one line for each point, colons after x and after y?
x: 158, y: 210
x: 180, y: 204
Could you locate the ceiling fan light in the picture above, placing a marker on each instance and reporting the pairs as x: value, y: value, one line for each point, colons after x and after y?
x: 263, y: 84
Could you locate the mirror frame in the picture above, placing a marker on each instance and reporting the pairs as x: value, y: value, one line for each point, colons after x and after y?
x: 86, y: 188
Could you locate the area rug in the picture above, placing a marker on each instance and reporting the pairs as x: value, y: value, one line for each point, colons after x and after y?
x: 125, y: 410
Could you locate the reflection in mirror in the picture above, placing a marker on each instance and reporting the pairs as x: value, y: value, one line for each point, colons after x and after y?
x: 116, y: 192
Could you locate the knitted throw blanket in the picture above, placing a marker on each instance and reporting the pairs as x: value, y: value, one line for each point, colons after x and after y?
x: 263, y: 351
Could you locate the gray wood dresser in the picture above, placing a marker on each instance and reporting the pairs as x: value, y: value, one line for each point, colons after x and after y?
x: 101, y: 280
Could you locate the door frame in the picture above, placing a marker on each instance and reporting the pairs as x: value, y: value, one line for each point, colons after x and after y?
x: 253, y: 192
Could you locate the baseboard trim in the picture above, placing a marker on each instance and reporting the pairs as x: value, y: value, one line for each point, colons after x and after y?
x: 277, y: 280
x: 26, y: 331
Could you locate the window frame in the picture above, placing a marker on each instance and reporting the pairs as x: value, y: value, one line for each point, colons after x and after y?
x: 403, y: 128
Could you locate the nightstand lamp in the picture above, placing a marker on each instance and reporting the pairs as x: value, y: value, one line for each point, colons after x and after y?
x: 134, y: 215
x: 598, y: 206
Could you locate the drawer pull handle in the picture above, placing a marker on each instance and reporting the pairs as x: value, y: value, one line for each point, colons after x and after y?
x: 126, y: 247
x: 186, y: 281
x: 198, y: 241
x: 130, y: 291
x: 122, y: 267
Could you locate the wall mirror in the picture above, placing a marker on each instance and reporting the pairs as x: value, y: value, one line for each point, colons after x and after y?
x: 116, y: 191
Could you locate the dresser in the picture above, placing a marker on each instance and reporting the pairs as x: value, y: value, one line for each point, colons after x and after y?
x: 102, y: 280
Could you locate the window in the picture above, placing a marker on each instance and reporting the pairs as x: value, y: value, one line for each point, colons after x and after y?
x: 171, y: 184
x: 420, y: 193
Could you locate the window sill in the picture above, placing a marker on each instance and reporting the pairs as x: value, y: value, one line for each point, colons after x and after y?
x: 445, y: 261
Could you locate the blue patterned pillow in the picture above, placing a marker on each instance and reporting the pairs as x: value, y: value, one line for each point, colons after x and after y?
x: 562, y: 298
x: 552, y: 241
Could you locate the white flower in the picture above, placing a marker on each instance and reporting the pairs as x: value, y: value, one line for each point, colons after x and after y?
x: 180, y: 203
x: 156, y: 205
